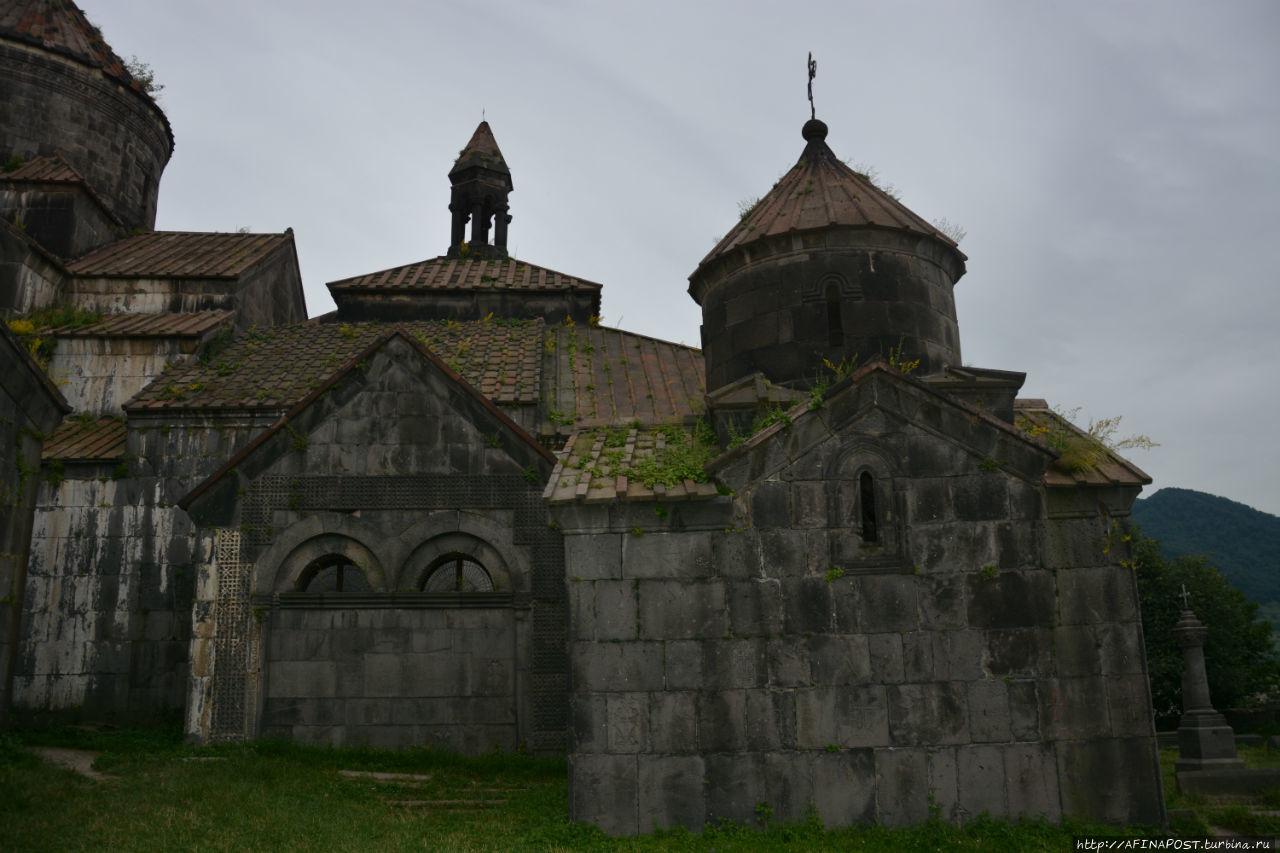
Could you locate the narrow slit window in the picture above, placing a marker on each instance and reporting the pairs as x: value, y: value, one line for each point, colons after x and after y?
x: 867, y: 505
x: 835, y: 325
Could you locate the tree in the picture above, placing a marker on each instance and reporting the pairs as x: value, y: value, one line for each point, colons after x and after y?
x: 1239, y: 655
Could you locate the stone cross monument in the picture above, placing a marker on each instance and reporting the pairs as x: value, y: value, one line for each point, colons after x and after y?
x: 1205, y: 739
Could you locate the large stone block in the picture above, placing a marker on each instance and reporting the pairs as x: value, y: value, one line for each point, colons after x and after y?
x: 842, y: 717
x: 787, y: 661
x: 902, y: 786
x: 1113, y: 780
x: 682, y: 664
x: 736, y: 554
x: 980, y: 779
x: 1019, y: 652
x: 771, y: 505
x: 989, y: 715
x: 783, y: 553
x: 673, y: 719
x: 731, y: 664
x: 770, y: 720
x: 1032, y: 781
x: 839, y: 660
x: 615, y: 610
x: 982, y: 497
x: 667, y: 555
x: 678, y: 610
x: 1011, y: 599
x: 616, y: 667
x: 628, y: 722
x: 887, y: 603
x: 928, y: 714
x: 672, y: 793
x: 1090, y: 596
x: 807, y: 605
x: 755, y: 607
x: 886, y: 657
x: 844, y: 790
x: 722, y: 719
x: 604, y: 790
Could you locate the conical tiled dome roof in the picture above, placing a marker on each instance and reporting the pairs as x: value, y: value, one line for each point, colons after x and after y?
x: 481, y: 152
x: 818, y: 192
x: 61, y: 27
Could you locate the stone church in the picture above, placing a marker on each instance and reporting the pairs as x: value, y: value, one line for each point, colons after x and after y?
x: 818, y: 563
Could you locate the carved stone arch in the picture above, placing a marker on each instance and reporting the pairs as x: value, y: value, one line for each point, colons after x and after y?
x: 468, y: 534
x: 318, y: 536
x: 865, y: 508
x: 323, y: 550
x: 447, y: 546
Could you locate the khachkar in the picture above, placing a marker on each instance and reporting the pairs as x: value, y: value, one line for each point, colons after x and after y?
x: 1205, y: 739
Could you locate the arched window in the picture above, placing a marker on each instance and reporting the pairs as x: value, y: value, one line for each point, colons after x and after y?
x: 867, y: 507
x: 333, y: 573
x: 457, y: 573
x: 835, y: 324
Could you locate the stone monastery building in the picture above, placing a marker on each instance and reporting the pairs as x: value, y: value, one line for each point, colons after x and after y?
x: 819, y: 561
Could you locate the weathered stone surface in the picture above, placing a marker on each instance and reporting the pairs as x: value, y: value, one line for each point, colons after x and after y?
x: 844, y: 717
x: 902, y: 786
x: 672, y: 792
x: 844, y: 789
x: 604, y: 790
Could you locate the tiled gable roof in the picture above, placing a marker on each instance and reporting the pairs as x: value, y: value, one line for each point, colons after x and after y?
x: 181, y: 254
x: 623, y: 463
x: 609, y: 377
x: 442, y: 273
x: 275, y: 368
x: 55, y: 170
x: 1084, y: 461
x: 166, y: 325
x: 79, y: 439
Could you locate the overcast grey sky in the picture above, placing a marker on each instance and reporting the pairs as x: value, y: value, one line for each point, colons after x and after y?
x: 1115, y: 164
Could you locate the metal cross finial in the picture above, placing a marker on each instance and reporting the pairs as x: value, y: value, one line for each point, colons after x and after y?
x: 1186, y: 596
x: 813, y: 71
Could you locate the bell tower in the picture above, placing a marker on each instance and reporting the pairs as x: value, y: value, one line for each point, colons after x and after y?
x: 481, y: 182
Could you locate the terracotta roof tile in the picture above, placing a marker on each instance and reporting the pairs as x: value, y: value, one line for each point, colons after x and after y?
x: 61, y: 27
x: 444, y: 273
x: 276, y: 368
x: 611, y: 464
x: 78, y: 439
x: 482, y: 152
x: 55, y: 170
x: 181, y: 254
x: 1104, y: 467
x: 820, y: 191
x: 608, y: 377
x: 193, y: 325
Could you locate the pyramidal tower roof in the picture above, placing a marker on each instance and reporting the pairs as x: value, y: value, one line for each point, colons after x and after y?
x: 818, y: 192
x: 60, y: 26
x: 481, y: 152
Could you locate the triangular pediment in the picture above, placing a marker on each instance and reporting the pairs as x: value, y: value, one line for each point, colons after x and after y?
x: 396, y: 410
x: 879, y: 405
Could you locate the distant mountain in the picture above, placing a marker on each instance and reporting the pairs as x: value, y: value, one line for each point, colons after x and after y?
x: 1244, y: 543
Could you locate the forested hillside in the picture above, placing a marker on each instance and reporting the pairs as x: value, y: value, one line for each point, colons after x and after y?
x: 1244, y: 543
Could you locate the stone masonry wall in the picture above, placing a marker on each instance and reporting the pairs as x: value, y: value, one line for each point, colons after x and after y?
x: 721, y: 659
x: 111, y: 574
x: 393, y: 678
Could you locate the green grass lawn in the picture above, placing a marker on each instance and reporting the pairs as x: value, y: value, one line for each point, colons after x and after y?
x: 279, y: 796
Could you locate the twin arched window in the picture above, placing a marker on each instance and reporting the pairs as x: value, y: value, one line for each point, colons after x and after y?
x: 449, y: 573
